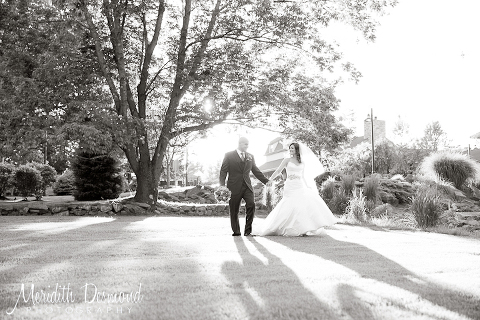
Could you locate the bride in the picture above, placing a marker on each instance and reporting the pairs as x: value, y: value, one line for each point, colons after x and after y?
x: 301, y: 211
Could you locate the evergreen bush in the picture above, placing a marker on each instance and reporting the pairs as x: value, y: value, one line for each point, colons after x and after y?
x: 27, y: 180
x: 97, y: 177
x: 65, y: 184
x: 6, y: 174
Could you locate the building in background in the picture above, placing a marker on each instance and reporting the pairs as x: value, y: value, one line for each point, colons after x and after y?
x: 277, y: 150
x: 474, y: 147
x: 379, y: 133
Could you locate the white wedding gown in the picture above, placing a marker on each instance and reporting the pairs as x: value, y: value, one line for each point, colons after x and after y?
x: 301, y: 210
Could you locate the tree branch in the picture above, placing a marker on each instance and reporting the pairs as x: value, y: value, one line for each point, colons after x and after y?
x: 204, y: 43
x: 142, y: 86
x: 101, y: 58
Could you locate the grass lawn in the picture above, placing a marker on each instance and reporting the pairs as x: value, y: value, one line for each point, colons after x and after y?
x: 192, y: 268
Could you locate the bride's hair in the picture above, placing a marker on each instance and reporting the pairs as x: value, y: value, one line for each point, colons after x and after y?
x: 297, y: 151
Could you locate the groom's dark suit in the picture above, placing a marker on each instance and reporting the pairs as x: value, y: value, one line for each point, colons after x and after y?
x: 240, y: 185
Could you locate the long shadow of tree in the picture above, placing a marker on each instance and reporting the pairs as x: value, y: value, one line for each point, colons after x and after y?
x: 271, y: 290
x: 369, y: 264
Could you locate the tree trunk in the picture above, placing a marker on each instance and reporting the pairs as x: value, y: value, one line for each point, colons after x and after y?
x: 167, y: 174
x: 147, y: 187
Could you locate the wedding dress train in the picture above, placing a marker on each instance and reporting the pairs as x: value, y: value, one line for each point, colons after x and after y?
x: 301, y: 211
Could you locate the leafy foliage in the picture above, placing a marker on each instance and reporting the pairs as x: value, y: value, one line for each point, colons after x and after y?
x: 27, y: 180
x: 65, y: 184
x: 48, y: 175
x: 6, y: 172
x: 434, y: 137
x: 96, y: 177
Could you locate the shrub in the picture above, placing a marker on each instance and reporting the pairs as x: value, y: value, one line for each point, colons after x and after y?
x: 426, y: 206
x: 348, y: 184
x: 356, y: 209
x: 6, y: 174
x: 48, y: 175
x: 27, y: 180
x: 338, y: 203
x: 369, y: 206
x: 97, y: 177
x: 456, y: 168
x: 382, y: 210
x: 328, y: 189
x: 65, y: 184
x: 371, y: 188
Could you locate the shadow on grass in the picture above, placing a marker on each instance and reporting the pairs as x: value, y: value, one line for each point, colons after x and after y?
x: 371, y: 265
x: 271, y: 290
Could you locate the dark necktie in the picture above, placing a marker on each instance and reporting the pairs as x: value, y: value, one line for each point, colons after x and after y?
x: 243, y: 156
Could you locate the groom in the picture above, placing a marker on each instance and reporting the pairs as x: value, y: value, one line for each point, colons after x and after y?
x: 238, y: 164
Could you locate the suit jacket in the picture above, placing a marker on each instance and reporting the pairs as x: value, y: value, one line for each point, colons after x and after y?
x: 239, y: 171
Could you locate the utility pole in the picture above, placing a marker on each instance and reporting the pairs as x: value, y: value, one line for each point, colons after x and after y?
x: 373, y: 144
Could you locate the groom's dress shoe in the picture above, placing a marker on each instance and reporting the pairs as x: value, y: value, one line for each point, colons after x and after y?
x: 236, y: 234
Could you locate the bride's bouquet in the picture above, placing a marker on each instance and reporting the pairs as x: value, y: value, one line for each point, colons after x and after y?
x: 222, y: 194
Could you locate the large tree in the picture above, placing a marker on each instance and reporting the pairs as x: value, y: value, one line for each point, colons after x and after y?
x: 256, y: 61
x: 46, y: 77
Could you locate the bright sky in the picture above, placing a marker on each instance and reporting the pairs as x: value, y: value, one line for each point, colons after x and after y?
x: 424, y: 66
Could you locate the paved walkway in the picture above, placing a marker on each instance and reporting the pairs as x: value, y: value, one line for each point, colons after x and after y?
x: 192, y: 268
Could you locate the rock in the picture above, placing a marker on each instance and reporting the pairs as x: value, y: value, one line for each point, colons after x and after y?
x: 388, y: 198
x: 25, y: 210
x: 193, y: 191
x: 163, y: 195
x: 473, y: 222
x: 459, y: 195
x: 57, y: 209
x: 38, y: 206
x: 140, y: 204
x: 105, y: 207
x: 117, y: 206
x: 77, y: 212
x: 7, y: 208
x: 64, y: 213
x: 476, y: 193
x: 175, y: 199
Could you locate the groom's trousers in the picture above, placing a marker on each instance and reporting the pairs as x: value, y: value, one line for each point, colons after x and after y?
x: 234, y: 204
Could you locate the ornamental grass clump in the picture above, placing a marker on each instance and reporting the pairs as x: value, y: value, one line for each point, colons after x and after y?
x: 427, y: 206
x: 356, y: 209
x: 339, y: 202
x: 348, y: 184
x: 457, y: 168
x: 370, y: 188
x: 328, y: 189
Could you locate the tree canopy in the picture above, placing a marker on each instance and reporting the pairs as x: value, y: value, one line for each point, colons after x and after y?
x: 256, y: 63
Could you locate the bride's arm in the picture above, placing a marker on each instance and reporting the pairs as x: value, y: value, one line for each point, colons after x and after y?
x: 280, y: 168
